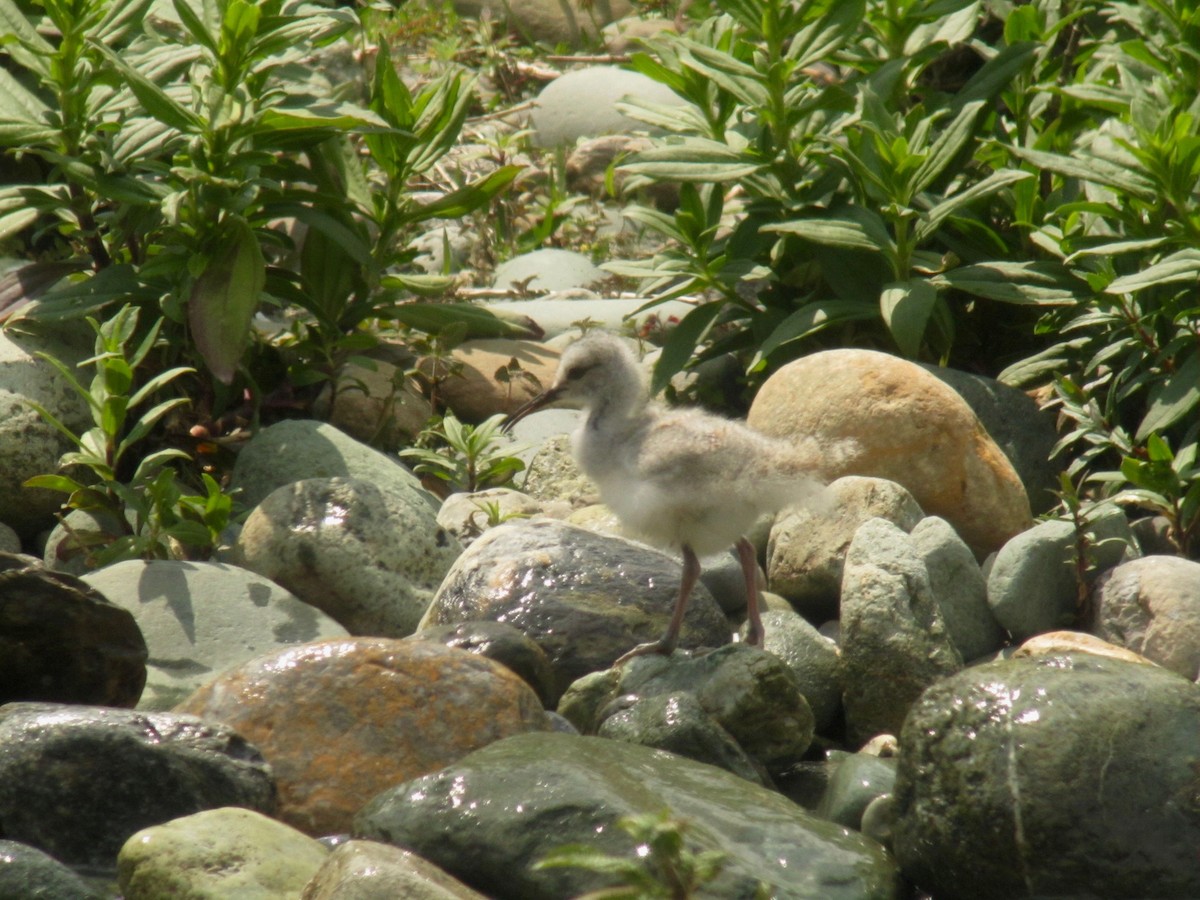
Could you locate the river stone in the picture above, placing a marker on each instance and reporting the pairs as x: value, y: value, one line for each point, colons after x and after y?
x: 503, y: 643
x: 1056, y: 643
x: 813, y: 658
x: 585, y: 598
x: 548, y: 269
x: 296, y: 449
x: 61, y: 641
x: 369, y: 556
x: 76, y: 781
x: 200, y: 618
x: 1061, y: 776
x: 583, y: 103
x: 369, y: 870
x: 1034, y: 581
x: 547, y: 21
x: 29, y: 445
x: 468, y: 515
x: 489, y: 818
x: 216, y: 854
x: 475, y: 392
x: 341, y: 720
x: 857, y: 780
x: 27, y: 873
x: 1019, y: 426
x: 377, y: 404
x: 889, y: 418
x: 677, y: 723
x: 752, y: 695
x: 807, y: 547
x: 1152, y: 606
x: 959, y: 589
x: 894, y: 641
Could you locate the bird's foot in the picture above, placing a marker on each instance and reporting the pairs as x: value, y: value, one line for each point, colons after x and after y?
x: 661, y: 647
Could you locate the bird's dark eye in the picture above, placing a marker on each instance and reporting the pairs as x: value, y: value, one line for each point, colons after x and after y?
x: 578, y: 371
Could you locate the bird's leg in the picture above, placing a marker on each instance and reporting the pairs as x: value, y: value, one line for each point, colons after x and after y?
x: 666, y: 644
x: 754, y: 633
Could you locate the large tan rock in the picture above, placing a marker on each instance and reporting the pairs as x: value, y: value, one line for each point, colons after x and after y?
x: 468, y: 384
x: 889, y: 418
x: 341, y: 720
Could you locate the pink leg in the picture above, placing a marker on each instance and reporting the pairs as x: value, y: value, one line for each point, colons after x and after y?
x: 754, y: 634
x: 666, y: 644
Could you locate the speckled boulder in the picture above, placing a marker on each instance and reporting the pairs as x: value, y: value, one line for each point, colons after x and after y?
x: 218, y: 853
x: 28, y: 444
x: 200, y: 618
x: 1152, y: 606
x: 1058, y: 776
x: 27, y: 873
x: 369, y: 556
x: 585, y: 598
x: 548, y: 269
x: 64, y: 642
x: 76, y: 781
x: 341, y: 720
x: 369, y: 870
x: 894, y: 640
x: 295, y: 449
x: 490, y: 817
x: 807, y: 548
x: 892, y: 419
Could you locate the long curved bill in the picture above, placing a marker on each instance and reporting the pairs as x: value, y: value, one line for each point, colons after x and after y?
x: 541, y: 401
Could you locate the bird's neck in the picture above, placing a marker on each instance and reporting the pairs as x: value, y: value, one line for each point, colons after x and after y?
x: 615, y: 409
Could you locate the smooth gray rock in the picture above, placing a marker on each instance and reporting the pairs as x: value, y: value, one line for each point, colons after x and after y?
x: 29, y: 445
x: 813, y: 658
x: 1152, y: 606
x: 69, y: 543
x: 62, y: 641
x: 585, y: 598
x: 583, y: 104
x: 369, y: 555
x: 1057, y: 776
x: 468, y: 515
x: 76, y: 781
x: 369, y: 870
x: 199, y: 618
x: 491, y: 816
x: 1025, y: 432
x: 27, y: 873
x: 894, y: 641
x: 857, y: 780
x: 548, y: 269
x: 296, y: 449
x: 1034, y: 583
x: 807, y: 548
x: 218, y: 853
x: 752, y: 695
x: 959, y: 589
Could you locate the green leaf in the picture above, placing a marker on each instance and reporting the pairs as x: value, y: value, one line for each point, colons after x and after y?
x: 1173, y: 398
x: 812, y: 318
x: 997, y: 181
x: 1027, y: 284
x: 682, y: 342
x: 692, y: 159
x: 1181, y: 266
x: 952, y: 139
x: 433, y: 318
x: 470, y: 197
x: 854, y: 229
x: 817, y: 40
x: 155, y: 100
x: 27, y: 47
x: 1090, y: 168
x: 60, y: 483
x: 341, y: 117
x: 223, y: 299
x: 906, y: 307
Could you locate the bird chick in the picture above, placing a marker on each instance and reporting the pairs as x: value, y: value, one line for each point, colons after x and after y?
x: 682, y: 479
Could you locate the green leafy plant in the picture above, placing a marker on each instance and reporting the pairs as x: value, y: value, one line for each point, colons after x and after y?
x: 660, y: 866
x: 859, y: 207
x: 464, y: 457
x: 143, y: 499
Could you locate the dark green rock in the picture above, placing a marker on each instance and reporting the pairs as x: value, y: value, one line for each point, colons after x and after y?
x: 27, y: 873
x: 857, y: 779
x: 1068, y: 775
x: 62, y: 641
x: 488, y: 818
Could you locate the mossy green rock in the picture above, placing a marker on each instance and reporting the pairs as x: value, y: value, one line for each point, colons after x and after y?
x: 490, y: 817
x: 1069, y: 775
